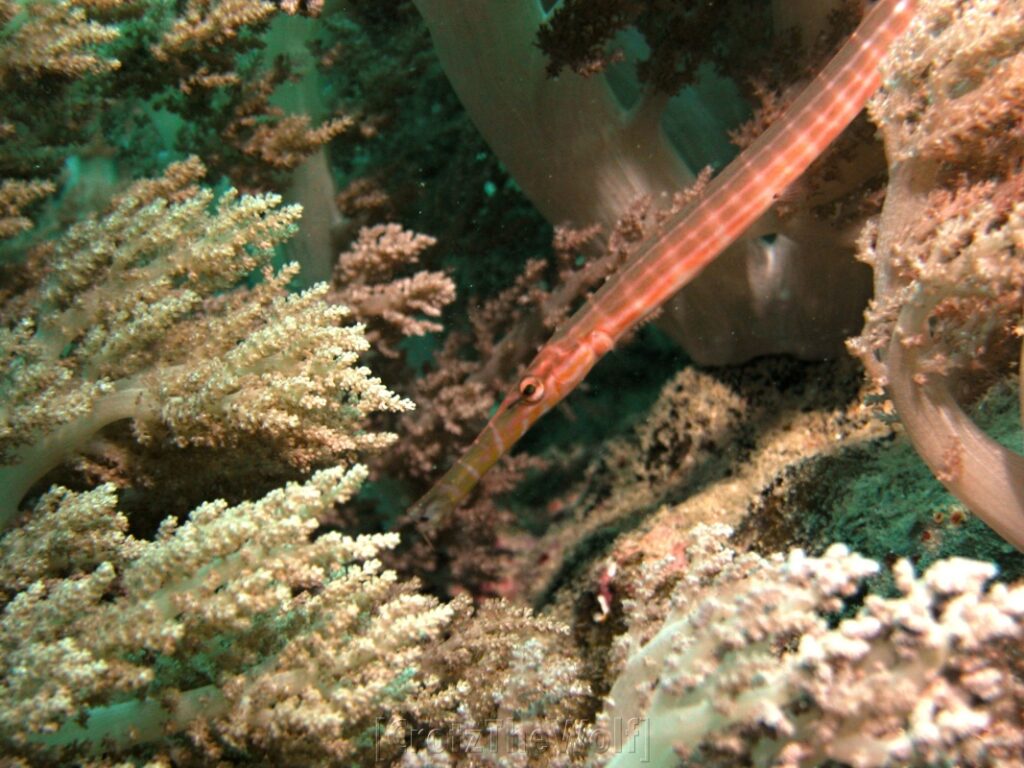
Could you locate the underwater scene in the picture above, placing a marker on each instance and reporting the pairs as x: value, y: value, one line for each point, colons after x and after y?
x: 473, y: 383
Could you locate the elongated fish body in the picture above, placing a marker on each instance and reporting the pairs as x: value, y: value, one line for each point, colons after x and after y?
x: 686, y: 244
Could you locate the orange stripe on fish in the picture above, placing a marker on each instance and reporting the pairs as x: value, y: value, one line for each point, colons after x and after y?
x: 687, y: 243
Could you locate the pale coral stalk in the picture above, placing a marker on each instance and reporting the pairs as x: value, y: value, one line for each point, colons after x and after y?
x: 583, y: 158
x: 985, y: 476
x: 139, y: 721
x: 949, y: 281
x: 51, y: 450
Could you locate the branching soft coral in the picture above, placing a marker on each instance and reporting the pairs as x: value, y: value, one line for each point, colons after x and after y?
x: 948, y: 249
x: 366, y: 280
x: 16, y: 195
x: 52, y: 38
x: 123, y: 82
x: 746, y: 666
x: 207, y: 24
x: 680, y: 37
x: 54, y: 43
x: 584, y: 149
x: 230, y: 632
x: 125, y: 326
x: 510, y: 691
x: 240, y: 631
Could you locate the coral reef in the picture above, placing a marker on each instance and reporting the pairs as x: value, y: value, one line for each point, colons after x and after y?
x: 262, y: 281
x: 946, y: 249
x: 365, y: 282
x: 123, y: 325
x: 780, y: 294
x: 746, y: 664
x: 225, y: 629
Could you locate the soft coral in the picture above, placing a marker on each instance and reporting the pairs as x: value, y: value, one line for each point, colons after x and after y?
x: 947, y: 250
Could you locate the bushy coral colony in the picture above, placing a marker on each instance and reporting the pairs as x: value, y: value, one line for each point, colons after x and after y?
x: 262, y: 281
x: 946, y: 249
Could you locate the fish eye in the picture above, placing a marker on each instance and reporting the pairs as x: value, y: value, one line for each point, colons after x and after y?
x: 531, y: 389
